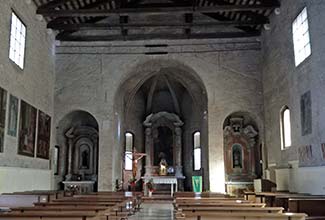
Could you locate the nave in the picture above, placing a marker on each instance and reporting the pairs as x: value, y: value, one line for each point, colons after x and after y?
x: 157, y: 211
x: 60, y: 205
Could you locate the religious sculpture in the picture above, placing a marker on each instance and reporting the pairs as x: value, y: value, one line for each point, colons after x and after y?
x: 163, y: 167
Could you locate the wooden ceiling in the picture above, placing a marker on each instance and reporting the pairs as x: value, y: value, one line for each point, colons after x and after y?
x: 109, y: 20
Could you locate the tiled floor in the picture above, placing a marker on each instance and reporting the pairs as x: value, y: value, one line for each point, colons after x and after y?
x: 154, y: 211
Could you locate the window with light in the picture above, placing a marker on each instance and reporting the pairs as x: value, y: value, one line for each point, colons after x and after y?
x: 197, y: 151
x: 285, y: 128
x: 128, y: 151
x: 17, y: 41
x: 301, y: 39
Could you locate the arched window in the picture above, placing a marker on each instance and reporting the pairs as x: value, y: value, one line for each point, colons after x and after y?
x: 197, y: 150
x: 285, y: 128
x: 128, y: 151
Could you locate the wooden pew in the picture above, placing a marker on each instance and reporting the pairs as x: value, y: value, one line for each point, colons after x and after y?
x: 270, y: 197
x: 49, y: 216
x: 231, y: 209
x: 11, y: 200
x: 202, y: 194
x: 312, y: 205
x: 242, y: 216
x: 108, y: 206
x: 43, y: 195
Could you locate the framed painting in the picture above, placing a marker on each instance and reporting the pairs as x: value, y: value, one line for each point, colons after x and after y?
x: 44, y: 135
x: 3, y: 105
x: 27, y: 129
x: 13, y: 116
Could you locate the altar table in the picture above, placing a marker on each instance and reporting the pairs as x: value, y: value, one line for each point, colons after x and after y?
x: 172, y: 180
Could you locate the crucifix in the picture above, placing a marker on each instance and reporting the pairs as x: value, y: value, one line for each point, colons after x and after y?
x: 135, y: 158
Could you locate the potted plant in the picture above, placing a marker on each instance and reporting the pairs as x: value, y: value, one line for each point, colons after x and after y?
x: 150, y: 187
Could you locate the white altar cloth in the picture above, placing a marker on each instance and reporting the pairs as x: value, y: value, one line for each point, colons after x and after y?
x: 172, y: 180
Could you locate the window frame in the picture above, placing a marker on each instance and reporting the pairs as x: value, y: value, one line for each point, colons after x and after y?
x: 197, y: 147
x: 127, y: 151
x: 282, y: 128
x: 13, y: 11
x: 295, y: 51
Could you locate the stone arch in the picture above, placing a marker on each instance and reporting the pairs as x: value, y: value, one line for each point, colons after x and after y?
x: 241, y: 165
x: 172, y: 73
x: 77, y: 128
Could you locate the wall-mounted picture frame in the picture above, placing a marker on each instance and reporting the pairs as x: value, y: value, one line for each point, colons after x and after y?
x: 27, y: 129
x: 13, y: 116
x: 44, y: 135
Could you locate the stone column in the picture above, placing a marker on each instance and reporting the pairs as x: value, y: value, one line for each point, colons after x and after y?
x: 178, y: 152
x: 70, y: 150
x: 148, y: 148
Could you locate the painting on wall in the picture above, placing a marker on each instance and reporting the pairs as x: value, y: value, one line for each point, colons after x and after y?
x: 13, y: 116
x: 306, y: 156
x: 306, y: 115
x: 3, y: 105
x: 44, y: 135
x: 27, y: 129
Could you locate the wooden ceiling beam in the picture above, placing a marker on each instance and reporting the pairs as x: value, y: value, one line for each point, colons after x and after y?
x: 156, y: 36
x: 110, y: 26
x: 52, y: 4
x: 61, y: 20
x: 164, y: 10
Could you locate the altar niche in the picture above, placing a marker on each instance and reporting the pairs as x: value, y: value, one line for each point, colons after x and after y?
x: 163, y: 145
x: 163, y: 142
x: 241, y: 153
x: 78, y: 140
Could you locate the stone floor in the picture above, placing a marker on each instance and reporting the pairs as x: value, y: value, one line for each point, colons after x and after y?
x: 154, y: 211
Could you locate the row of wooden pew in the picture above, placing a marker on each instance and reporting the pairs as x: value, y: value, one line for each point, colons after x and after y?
x: 312, y: 205
x: 96, y: 206
x: 220, y: 206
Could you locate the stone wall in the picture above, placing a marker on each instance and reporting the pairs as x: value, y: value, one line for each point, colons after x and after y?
x: 34, y: 84
x: 88, y: 77
x: 284, y: 84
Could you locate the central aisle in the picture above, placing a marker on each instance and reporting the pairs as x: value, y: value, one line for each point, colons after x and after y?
x: 154, y: 210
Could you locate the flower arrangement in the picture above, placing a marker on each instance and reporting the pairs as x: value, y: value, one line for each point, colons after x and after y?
x: 150, y: 185
x: 132, y: 181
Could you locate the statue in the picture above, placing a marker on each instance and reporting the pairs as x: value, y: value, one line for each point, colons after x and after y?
x: 85, y: 160
x: 163, y: 167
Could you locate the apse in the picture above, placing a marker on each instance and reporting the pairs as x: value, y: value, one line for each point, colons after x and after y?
x: 163, y: 111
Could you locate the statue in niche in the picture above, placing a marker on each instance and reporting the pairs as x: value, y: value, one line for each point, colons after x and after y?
x: 237, y: 156
x: 163, y: 167
x: 85, y: 159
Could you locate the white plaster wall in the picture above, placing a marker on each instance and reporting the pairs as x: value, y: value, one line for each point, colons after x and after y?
x: 301, y: 179
x: 284, y: 83
x: 34, y: 84
x: 15, y: 179
x: 87, y: 78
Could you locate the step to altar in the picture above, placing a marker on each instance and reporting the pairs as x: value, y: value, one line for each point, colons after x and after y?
x: 158, y: 197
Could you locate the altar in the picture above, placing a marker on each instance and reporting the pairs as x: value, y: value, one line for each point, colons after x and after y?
x: 79, y: 187
x: 169, y: 180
